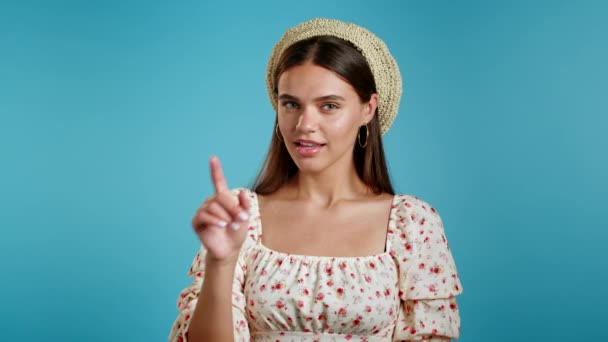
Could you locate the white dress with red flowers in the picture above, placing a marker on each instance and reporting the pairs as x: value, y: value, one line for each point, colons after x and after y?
x: 406, y: 293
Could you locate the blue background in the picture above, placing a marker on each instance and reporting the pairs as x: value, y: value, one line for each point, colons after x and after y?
x: 111, y: 109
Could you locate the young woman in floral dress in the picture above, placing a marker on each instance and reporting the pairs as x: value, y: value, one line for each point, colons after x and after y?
x: 321, y: 248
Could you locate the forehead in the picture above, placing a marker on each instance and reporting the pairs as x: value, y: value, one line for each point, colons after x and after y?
x: 310, y: 80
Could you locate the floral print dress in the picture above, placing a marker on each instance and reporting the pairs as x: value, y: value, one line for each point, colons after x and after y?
x: 406, y: 293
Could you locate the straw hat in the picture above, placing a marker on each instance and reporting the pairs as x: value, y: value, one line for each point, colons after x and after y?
x: 382, y: 64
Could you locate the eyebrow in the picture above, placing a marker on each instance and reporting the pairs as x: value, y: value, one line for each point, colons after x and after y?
x: 318, y: 99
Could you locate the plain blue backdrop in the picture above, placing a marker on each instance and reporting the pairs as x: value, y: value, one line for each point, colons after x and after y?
x: 111, y: 109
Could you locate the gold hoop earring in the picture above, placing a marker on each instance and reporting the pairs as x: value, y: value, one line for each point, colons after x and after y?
x: 366, y: 136
x: 276, y: 131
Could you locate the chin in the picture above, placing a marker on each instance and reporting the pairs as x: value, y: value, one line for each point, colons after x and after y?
x: 308, y: 165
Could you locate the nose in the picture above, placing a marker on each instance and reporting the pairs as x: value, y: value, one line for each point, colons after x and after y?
x: 308, y: 120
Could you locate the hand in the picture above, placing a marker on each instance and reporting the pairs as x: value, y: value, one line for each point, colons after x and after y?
x: 221, y: 221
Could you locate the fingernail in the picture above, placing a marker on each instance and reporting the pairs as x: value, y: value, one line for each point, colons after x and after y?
x: 222, y: 223
x: 235, y: 226
x: 243, y: 216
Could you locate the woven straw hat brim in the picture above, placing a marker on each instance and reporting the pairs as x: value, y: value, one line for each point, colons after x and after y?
x: 382, y: 64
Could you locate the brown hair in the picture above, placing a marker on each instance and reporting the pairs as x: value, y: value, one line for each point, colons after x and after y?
x: 341, y: 57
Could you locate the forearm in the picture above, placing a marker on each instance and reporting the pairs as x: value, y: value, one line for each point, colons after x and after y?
x: 212, y: 317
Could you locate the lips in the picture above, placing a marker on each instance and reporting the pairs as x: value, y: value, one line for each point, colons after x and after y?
x: 308, y: 148
x: 308, y: 143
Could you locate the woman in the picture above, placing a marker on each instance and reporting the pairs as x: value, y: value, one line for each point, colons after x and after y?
x: 341, y: 257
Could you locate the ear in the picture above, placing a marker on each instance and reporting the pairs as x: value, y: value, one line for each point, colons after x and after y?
x: 369, y: 109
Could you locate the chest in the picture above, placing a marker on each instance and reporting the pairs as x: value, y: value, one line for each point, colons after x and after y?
x: 346, y: 231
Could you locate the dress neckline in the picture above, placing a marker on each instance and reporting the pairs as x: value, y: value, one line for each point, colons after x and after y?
x: 387, y: 248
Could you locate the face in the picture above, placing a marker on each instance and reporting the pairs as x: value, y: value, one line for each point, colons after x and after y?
x: 319, y: 117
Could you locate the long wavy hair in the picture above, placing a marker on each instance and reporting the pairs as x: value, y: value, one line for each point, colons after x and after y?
x: 343, y: 58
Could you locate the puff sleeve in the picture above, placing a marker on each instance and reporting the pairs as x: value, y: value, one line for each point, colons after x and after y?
x: 428, y: 279
x: 188, y: 297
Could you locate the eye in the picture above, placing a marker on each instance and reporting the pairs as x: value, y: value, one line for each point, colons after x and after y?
x: 290, y: 105
x: 330, y: 106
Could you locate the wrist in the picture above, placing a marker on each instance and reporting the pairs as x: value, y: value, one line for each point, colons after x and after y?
x: 228, y: 262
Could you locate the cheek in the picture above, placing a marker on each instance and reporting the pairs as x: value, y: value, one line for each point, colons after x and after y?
x: 344, y: 126
x: 286, y: 124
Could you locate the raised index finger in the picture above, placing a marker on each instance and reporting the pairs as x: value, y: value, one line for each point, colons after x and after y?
x: 217, y: 175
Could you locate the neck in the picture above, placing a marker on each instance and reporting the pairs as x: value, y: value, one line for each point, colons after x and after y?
x: 328, y: 187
